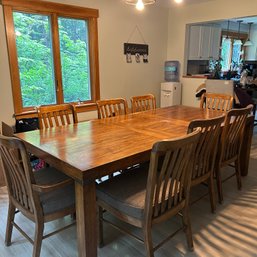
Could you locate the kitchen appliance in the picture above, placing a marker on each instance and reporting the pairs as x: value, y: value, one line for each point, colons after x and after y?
x: 170, y: 93
x: 171, y: 71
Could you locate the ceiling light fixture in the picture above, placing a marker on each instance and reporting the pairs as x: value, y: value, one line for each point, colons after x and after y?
x: 248, y: 42
x: 238, y: 41
x: 178, y: 1
x: 140, y: 4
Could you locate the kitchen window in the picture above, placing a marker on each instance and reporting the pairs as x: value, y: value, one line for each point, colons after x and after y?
x: 231, y: 54
x: 53, y: 54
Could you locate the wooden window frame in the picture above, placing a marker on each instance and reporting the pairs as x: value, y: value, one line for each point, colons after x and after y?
x: 53, y: 10
x: 233, y: 36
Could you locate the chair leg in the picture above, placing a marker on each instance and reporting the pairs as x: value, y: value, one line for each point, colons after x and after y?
x: 39, y: 229
x: 100, y: 227
x: 219, y: 185
x: 212, y: 194
x: 238, y: 174
x: 148, y: 241
x: 9, y: 226
x: 188, y: 229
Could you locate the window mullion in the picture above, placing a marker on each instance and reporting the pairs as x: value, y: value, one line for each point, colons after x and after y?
x: 94, y: 59
x: 57, y: 59
x: 230, y: 53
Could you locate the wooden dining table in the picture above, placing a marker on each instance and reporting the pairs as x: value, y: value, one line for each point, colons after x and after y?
x: 89, y: 150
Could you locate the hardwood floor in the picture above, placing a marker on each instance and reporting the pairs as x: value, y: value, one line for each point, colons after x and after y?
x: 230, y: 232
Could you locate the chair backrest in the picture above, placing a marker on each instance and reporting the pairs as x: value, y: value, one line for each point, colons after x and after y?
x: 7, y: 130
x: 56, y: 115
x: 19, y: 176
x: 232, y: 133
x: 216, y: 101
x: 143, y: 103
x: 111, y: 107
x: 206, y: 149
x: 169, y: 175
x: 243, y: 97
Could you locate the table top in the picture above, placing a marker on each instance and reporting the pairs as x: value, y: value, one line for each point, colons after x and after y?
x: 91, y: 149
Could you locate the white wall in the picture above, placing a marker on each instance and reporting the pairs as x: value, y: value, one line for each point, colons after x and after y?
x: 117, y: 78
x: 202, y: 12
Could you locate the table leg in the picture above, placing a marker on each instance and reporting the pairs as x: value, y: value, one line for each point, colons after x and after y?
x: 86, y: 219
x: 246, y: 146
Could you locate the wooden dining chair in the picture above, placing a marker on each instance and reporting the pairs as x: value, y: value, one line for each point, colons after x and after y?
x: 7, y: 130
x: 230, y: 145
x: 41, y: 196
x: 111, y: 107
x: 143, y: 103
x: 215, y: 101
x: 246, y: 98
x: 205, y: 152
x: 56, y: 115
x: 149, y: 196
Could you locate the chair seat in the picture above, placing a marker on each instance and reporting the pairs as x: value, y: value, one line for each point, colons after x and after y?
x: 132, y: 200
x: 56, y: 200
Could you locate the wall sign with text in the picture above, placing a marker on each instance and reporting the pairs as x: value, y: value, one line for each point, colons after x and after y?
x: 138, y: 50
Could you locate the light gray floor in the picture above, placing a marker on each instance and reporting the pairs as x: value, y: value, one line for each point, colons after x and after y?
x: 230, y: 232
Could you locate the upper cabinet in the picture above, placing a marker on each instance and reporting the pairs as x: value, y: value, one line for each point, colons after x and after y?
x: 204, y: 42
x: 215, y: 40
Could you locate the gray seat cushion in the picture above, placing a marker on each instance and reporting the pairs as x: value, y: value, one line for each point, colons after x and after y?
x: 125, y: 192
x: 55, y: 200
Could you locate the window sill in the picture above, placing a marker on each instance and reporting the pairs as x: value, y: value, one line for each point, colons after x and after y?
x: 79, y: 108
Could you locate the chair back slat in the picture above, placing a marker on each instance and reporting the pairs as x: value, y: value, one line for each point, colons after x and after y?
x: 18, y: 173
x: 206, y: 149
x: 143, y: 103
x: 111, y: 107
x: 55, y: 116
x: 216, y: 101
x: 169, y: 174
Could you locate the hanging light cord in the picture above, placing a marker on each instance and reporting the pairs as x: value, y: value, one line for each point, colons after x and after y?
x: 238, y: 35
x: 227, y: 29
x: 250, y: 24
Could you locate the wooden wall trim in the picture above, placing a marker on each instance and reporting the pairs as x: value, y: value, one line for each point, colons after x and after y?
x: 51, y: 7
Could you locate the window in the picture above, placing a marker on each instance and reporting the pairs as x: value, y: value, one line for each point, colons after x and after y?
x: 53, y: 54
x: 231, y: 54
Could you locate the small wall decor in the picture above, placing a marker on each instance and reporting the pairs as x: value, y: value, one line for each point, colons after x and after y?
x: 137, y: 50
x: 145, y: 58
x: 137, y: 57
x: 128, y: 57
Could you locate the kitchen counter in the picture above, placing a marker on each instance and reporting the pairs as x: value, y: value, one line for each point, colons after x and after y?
x: 198, y: 76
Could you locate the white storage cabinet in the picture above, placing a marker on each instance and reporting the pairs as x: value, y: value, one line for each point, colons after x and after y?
x: 170, y: 93
x: 204, y: 42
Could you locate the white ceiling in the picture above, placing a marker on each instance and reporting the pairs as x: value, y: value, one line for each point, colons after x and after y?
x: 171, y: 3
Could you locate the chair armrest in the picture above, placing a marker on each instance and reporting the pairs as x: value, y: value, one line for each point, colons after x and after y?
x: 50, y: 187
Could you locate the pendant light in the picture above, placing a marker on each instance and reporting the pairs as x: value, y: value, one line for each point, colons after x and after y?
x: 227, y: 38
x: 248, y: 42
x: 238, y: 41
x: 140, y: 4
